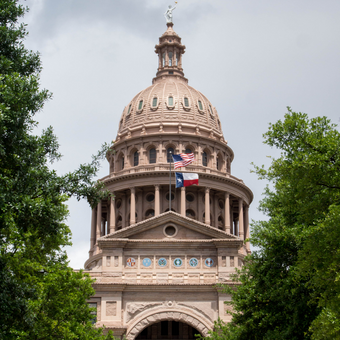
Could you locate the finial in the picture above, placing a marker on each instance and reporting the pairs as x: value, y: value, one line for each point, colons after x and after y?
x: 168, y: 13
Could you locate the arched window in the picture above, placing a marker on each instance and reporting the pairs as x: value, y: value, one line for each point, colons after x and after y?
x: 177, y: 59
x: 170, y: 58
x: 190, y: 213
x: 140, y: 105
x: 135, y: 158
x: 169, y: 153
x: 187, y: 150
x: 186, y: 102
x: 122, y: 163
x: 171, y: 101
x: 217, y: 162
x: 152, y: 156
x: 129, y: 110
x: 163, y: 59
x: 200, y: 106
x: 154, y: 102
x: 204, y: 159
x: 150, y: 213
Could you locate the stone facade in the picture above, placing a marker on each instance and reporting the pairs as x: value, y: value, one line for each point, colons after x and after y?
x: 156, y: 263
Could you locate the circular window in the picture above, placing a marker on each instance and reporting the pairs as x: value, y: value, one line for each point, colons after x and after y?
x: 150, y: 197
x: 190, y: 197
x: 170, y: 231
x: 221, y: 204
x: 119, y: 204
x: 172, y: 196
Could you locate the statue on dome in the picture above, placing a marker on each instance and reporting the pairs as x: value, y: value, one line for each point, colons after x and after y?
x: 168, y: 13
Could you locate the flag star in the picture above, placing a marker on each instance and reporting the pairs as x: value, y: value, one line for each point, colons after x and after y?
x: 179, y: 180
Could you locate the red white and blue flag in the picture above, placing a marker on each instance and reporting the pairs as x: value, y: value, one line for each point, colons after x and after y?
x: 183, y: 159
x: 184, y: 179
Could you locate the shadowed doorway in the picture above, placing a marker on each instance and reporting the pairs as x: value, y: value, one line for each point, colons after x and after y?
x: 168, y: 330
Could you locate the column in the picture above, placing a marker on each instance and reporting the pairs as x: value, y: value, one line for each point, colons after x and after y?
x: 157, y: 202
x: 99, y: 220
x: 93, y: 229
x: 215, y: 210
x: 124, y: 211
x: 246, y: 225
x: 240, y: 218
x: 207, y: 206
x: 140, y: 206
x: 226, y: 213
x: 133, y: 206
x: 183, y: 201
x: 112, y: 215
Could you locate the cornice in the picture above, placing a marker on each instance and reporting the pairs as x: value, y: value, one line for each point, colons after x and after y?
x: 161, y: 287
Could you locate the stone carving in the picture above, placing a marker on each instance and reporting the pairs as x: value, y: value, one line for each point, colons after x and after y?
x: 200, y: 307
x: 111, y: 308
x: 134, y: 308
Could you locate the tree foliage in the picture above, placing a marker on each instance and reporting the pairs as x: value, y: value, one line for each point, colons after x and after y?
x: 290, y: 286
x: 41, y: 297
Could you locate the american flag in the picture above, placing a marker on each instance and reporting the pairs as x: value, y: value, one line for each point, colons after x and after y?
x: 183, y: 159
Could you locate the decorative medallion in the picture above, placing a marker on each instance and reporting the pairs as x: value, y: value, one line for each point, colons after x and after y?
x: 178, y: 262
x: 147, y: 262
x: 162, y: 262
x: 209, y: 262
x: 131, y: 262
x: 193, y: 262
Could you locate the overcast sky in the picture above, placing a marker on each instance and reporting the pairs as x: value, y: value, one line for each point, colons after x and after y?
x: 250, y: 58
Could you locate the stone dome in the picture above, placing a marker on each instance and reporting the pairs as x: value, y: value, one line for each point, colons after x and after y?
x: 170, y: 100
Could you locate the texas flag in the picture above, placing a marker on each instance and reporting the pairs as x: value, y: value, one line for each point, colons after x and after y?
x: 184, y: 179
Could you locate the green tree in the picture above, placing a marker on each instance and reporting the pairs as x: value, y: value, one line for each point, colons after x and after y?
x: 40, y: 295
x: 290, y: 286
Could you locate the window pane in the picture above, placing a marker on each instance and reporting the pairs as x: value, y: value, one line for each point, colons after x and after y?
x: 140, y: 105
x: 204, y: 159
x: 135, y: 158
x: 169, y: 154
x: 171, y: 101
x: 122, y: 163
x: 186, y: 102
x: 152, y: 156
x: 170, y: 58
x: 200, y: 105
x: 154, y: 102
x: 188, y: 150
x: 129, y: 110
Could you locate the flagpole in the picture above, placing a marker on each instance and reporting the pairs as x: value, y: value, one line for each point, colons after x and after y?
x: 170, y: 182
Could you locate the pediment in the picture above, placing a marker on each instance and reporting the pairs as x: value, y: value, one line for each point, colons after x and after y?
x: 155, y: 229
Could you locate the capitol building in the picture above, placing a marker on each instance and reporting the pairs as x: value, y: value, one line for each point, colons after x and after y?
x: 157, y: 254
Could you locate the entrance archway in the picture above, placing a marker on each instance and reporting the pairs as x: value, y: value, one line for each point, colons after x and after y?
x: 171, y: 330
x: 195, y: 322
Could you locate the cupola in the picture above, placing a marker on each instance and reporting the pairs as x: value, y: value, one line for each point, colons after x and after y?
x: 170, y: 51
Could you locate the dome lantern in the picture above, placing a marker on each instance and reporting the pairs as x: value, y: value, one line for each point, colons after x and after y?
x: 170, y: 51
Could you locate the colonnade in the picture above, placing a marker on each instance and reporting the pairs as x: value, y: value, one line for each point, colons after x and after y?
x: 100, y: 228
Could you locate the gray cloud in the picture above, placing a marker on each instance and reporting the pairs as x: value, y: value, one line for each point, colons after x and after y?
x: 251, y: 59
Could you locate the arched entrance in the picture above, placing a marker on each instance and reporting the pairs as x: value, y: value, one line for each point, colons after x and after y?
x: 198, y: 324
x: 171, y: 330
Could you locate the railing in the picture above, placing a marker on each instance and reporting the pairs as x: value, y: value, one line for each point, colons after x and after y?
x: 163, y: 167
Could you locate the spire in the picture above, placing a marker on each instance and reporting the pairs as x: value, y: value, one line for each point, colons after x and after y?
x: 170, y: 51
